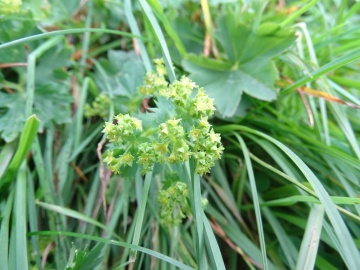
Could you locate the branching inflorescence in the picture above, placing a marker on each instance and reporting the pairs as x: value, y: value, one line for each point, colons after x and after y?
x: 186, y: 134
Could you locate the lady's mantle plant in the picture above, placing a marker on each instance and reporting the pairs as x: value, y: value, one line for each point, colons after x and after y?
x: 174, y: 131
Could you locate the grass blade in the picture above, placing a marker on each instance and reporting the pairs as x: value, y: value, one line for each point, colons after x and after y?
x: 287, y: 201
x: 64, y: 32
x: 70, y: 213
x: 86, y: 38
x: 255, y: 200
x: 198, y: 215
x: 167, y: 59
x: 285, y: 241
x: 33, y: 220
x: 157, y: 9
x: 21, y: 220
x: 135, y: 30
x: 141, y: 212
x: 215, y: 252
x: 115, y: 243
x: 30, y: 83
x: 26, y: 139
x: 333, y: 65
x: 80, y: 113
x: 5, y: 157
x: 4, y: 231
x: 193, y: 182
x: 349, y: 250
x: 310, y: 242
x: 296, y: 14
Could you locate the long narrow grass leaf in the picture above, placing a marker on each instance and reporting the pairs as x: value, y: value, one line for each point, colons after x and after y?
x: 5, y: 231
x: 33, y: 219
x: 296, y: 14
x: 349, y: 250
x: 5, y: 157
x: 64, y: 32
x: 198, y: 218
x: 21, y: 220
x: 80, y: 113
x: 214, y: 246
x: 135, y: 30
x: 310, y: 242
x: 287, y: 201
x: 70, y: 213
x: 86, y: 38
x: 333, y: 65
x: 26, y: 139
x: 286, y: 243
x: 157, y: 9
x: 115, y: 243
x: 167, y: 59
x: 141, y: 211
x: 255, y: 200
x: 31, y: 66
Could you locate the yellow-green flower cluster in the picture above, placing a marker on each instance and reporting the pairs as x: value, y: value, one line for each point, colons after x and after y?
x: 126, y: 129
x: 124, y: 135
x: 172, y: 134
x: 99, y: 107
x: 10, y: 6
x: 155, y: 81
x: 207, y: 146
x: 174, y: 204
x: 144, y: 147
x: 179, y: 92
x: 201, y: 105
x: 175, y: 140
x: 146, y: 156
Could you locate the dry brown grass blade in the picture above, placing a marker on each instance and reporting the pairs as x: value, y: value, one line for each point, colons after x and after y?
x: 326, y: 96
x: 8, y: 65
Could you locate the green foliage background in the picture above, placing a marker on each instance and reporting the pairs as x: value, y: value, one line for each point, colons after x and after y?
x: 285, y: 80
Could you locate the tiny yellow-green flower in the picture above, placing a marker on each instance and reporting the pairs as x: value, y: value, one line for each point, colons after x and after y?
x: 127, y: 159
x: 10, y: 6
x: 173, y: 122
x: 195, y: 133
